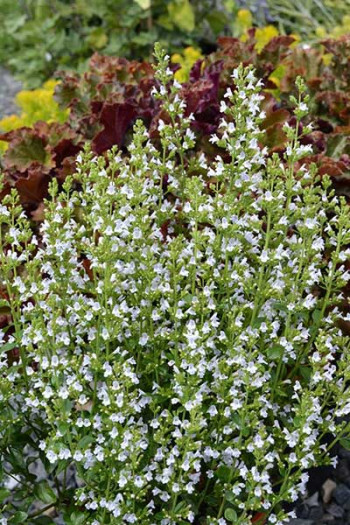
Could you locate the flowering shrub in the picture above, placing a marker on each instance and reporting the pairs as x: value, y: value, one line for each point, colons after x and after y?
x: 173, y: 326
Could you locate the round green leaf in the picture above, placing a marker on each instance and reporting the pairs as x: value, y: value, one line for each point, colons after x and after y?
x: 231, y: 515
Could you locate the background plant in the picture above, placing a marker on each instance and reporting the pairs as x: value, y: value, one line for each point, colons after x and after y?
x: 173, y: 329
x: 105, y: 102
x: 35, y: 105
x: 39, y: 37
x: 310, y: 19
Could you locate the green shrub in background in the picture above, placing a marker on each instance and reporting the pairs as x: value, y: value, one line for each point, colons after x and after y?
x: 39, y: 36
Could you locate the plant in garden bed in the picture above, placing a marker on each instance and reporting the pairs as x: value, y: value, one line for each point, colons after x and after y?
x: 173, y: 325
x: 37, y: 104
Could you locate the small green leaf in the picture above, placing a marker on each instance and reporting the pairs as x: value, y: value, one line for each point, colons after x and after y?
x: 77, y: 518
x: 316, y: 316
x: 280, y: 306
x: 85, y: 441
x: 305, y: 371
x: 19, y: 517
x: 4, y: 493
x: 231, y: 515
x: 62, y: 465
x: 229, y: 496
x: 97, y: 38
x: 217, y: 21
x: 258, y: 322
x: 345, y: 442
x: 275, y: 352
x: 223, y: 473
x: 63, y: 427
x: 8, y: 346
x: 45, y: 493
x: 4, y: 303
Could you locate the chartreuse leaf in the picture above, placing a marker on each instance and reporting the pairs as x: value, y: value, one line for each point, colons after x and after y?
x: 182, y: 14
x: 144, y: 4
x: 97, y: 38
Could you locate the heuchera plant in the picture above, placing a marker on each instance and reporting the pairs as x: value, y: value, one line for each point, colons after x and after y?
x: 173, y: 331
x: 105, y: 102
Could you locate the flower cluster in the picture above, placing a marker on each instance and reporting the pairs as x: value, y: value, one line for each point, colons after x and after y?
x: 174, y: 327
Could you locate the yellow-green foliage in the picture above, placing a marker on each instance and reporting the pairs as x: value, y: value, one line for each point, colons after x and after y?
x: 36, y: 104
x: 338, y: 30
x: 263, y: 35
x: 189, y: 56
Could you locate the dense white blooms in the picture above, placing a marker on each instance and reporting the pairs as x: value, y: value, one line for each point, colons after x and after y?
x: 174, y: 343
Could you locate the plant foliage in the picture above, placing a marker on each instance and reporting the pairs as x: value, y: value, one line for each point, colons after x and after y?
x: 35, y: 105
x: 38, y: 36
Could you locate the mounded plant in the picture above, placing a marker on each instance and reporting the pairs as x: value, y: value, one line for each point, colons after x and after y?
x: 173, y: 333
x: 35, y: 105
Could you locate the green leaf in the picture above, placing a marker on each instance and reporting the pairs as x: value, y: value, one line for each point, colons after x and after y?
x: 45, y: 493
x: 97, y: 39
x: 62, y: 465
x: 144, y: 4
x: 31, y: 149
x: 77, y: 518
x: 12, y: 24
x: 280, y: 306
x: 217, y: 21
x: 4, y: 303
x: 305, y: 372
x: 316, y: 316
x: 182, y: 14
x: 275, y: 352
x: 63, y: 427
x: 85, y: 441
x: 229, y: 496
x: 345, y: 442
x: 19, y: 517
x: 8, y: 346
x: 258, y: 322
x: 231, y: 515
x: 297, y: 421
x: 4, y: 493
x: 223, y: 473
